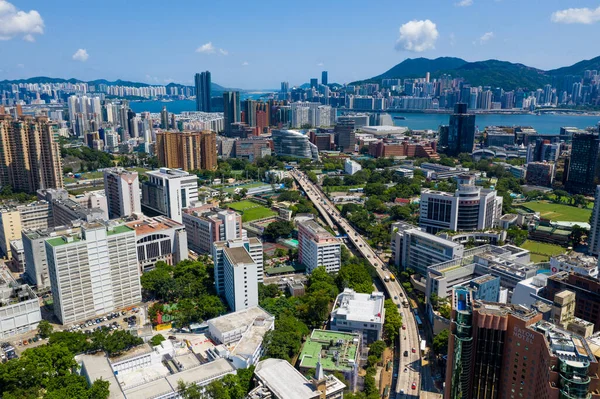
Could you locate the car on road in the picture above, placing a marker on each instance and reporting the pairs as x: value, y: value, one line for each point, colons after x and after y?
x: 404, y: 327
x: 405, y: 353
x: 414, y: 385
x: 406, y: 369
x: 413, y: 350
x: 395, y: 297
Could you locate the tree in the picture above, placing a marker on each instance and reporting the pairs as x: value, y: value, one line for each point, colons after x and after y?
x: 577, y: 233
x: 45, y: 329
x: 376, y: 349
x: 393, y: 320
x: 157, y: 339
x: 267, y: 291
x: 440, y: 342
x: 277, y: 229
x: 516, y: 235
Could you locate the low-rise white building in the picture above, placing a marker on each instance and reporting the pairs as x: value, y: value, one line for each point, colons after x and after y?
x: 355, y: 312
x: 575, y: 262
x: 19, y: 307
x: 351, y: 167
x: 240, y: 335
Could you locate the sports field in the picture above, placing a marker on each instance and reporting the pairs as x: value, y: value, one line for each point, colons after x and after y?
x: 251, y: 210
x: 558, y: 212
x: 542, y: 251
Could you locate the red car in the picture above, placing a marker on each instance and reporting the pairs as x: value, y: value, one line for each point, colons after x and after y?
x: 414, y: 350
x: 414, y: 385
x: 404, y: 327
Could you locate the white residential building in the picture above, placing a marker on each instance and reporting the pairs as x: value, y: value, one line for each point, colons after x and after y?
x: 238, y: 270
x: 207, y: 225
x: 169, y: 191
x: 94, y: 272
x: 355, y: 312
x: 317, y: 247
x: 122, y: 190
x: 351, y: 167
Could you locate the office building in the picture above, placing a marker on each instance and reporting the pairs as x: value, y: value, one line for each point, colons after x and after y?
x: 506, y: 351
x: 159, y: 239
x: 351, y: 167
x: 187, y: 150
x: 317, y: 247
x: 581, y: 177
x: 205, y: 226
x: 294, y: 144
x: 122, y: 189
x: 278, y: 379
x: 65, y: 210
x: 231, y: 109
x: 314, y: 83
x: 203, y: 91
x: 169, y: 191
x: 594, y: 235
x: 324, y: 80
x: 19, y: 307
x: 461, y: 131
x: 323, y: 140
x: 93, y: 272
x: 469, y: 208
x: 394, y: 148
x: 344, y: 134
x: 415, y: 249
x: 363, y: 313
x: 238, y: 270
x: 29, y: 156
x: 540, y: 174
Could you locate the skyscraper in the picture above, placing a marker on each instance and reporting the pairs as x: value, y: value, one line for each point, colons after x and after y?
x: 461, y: 131
x: 594, y: 236
x: 345, y: 138
x: 29, y: 156
x: 164, y: 118
x: 203, y: 91
x: 208, y: 151
x: 324, y: 80
x: 285, y: 88
x: 231, y: 109
x: 314, y: 82
x: 582, y: 174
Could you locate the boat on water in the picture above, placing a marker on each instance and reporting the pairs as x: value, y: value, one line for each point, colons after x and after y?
x: 402, y: 118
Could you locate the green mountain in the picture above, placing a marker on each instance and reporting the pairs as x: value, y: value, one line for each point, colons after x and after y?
x: 416, y: 66
x: 492, y: 73
x: 119, y: 82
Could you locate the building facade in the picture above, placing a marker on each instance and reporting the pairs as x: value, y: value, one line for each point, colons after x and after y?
x: 355, y: 312
x: 540, y: 174
x: 94, y: 272
x: 29, y: 156
x: 169, y: 191
x: 19, y: 307
x: 581, y: 177
x: 460, y: 133
x: 207, y: 226
x: 187, y: 150
x: 294, y: 144
x: 122, y: 189
x: 317, y: 247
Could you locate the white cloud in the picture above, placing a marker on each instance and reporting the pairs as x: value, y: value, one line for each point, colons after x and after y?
x: 21, y: 66
x: 464, y: 3
x: 206, y: 48
x: 487, y: 36
x: 81, y: 55
x: 245, y: 63
x: 417, y: 36
x: 320, y: 64
x: 169, y: 80
x: 576, y: 16
x: 452, y: 39
x: 14, y: 22
x: 223, y: 52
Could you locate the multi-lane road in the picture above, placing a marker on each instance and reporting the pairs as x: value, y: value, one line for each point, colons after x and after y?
x: 409, y: 335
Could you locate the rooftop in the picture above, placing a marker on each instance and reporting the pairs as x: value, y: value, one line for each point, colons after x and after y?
x: 360, y: 307
x: 235, y: 320
x: 118, y: 230
x: 239, y: 255
x: 339, y: 357
x: 152, y: 225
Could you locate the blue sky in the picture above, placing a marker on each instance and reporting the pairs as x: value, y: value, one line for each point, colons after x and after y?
x: 258, y: 44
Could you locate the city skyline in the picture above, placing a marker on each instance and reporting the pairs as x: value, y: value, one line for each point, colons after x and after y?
x: 128, y: 42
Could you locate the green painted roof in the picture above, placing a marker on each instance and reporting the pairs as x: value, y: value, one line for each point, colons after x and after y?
x: 319, y: 342
x: 118, y: 230
x: 57, y: 241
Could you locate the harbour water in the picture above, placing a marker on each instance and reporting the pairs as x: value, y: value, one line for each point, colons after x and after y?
x: 544, y: 124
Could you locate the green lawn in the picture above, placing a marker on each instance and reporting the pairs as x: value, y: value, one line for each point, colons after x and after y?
x: 558, y: 212
x: 251, y: 210
x: 541, y: 251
